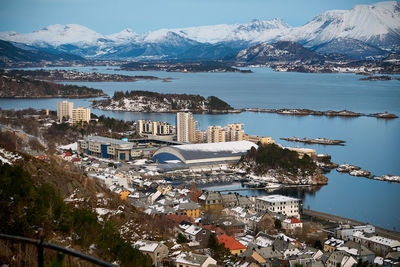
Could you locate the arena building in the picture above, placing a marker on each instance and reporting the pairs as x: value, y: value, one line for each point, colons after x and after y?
x: 203, y: 154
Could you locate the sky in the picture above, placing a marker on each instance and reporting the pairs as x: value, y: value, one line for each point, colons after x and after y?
x: 112, y: 16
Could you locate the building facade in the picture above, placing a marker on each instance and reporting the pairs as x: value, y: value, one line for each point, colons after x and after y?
x: 287, y: 206
x: 255, y: 139
x: 64, y: 110
x: 80, y: 115
x: 145, y: 127
x: 104, y: 147
x: 215, y: 134
x: 185, y: 127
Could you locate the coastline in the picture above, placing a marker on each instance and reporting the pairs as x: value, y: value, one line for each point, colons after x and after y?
x: 284, y: 111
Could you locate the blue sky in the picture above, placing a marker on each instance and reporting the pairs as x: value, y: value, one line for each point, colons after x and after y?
x: 111, y: 16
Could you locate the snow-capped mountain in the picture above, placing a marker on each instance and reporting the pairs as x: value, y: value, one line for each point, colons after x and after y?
x: 248, y: 32
x: 363, y: 31
x: 377, y: 25
x: 281, y: 51
x: 55, y: 35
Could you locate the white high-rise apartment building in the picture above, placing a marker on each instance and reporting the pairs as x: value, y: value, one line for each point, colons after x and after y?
x: 80, y: 115
x: 64, y: 110
x: 185, y: 127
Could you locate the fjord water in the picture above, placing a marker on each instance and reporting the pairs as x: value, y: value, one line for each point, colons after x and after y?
x: 371, y: 143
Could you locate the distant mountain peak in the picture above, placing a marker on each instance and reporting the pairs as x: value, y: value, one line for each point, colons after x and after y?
x: 368, y: 26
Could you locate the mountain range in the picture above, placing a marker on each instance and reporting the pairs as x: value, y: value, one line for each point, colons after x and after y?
x: 364, y: 32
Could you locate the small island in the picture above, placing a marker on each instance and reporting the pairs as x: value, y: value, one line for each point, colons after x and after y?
x: 354, y: 170
x: 320, y: 141
x: 76, y: 76
x: 201, y: 66
x: 275, y: 164
x: 328, y: 113
x: 14, y: 86
x: 379, y: 78
x: 145, y: 101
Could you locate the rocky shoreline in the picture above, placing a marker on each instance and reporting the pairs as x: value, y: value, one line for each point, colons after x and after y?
x: 292, y: 112
x: 379, y: 78
x: 77, y: 76
x: 354, y: 170
x: 320, y: 141
x: 328, y: 113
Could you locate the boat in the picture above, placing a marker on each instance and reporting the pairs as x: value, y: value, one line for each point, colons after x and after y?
x: 272, y: 186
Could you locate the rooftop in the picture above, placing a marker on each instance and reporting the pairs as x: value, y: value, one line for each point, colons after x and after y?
x: 277, y: 198
x: 230, y: 242
x: 102, y: 139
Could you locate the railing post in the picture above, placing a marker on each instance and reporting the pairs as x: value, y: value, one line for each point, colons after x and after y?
x: 40, y: 257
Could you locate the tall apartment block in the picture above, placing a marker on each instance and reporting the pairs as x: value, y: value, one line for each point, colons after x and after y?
x: 80, y: 115
x: 64, y: 110
x: 154, y: 128
x: 231, y: 132
x: 185, y: 127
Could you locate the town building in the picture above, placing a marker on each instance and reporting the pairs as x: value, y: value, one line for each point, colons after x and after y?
x: 228, y: 133
x: 291, y: 224
x: 197, y: 234
x: 104, y: 147
x: 259, y: 139
x: 64, y: 110
x: 190, y: 209
x: 303, y: 151
x: 279, y: 204
x: 379, y: 244
x: 156, y: 250
x: 154, y: 128
x: 346, y: 232
x: 188, y: 259
x: 211, y: 200
x: 185, y: 127
x: 338, y: 258
x: 205, y: 154
x: 332, y: 244
x: 215, y: 134
x: 234, y: 246
x: 80, y: 115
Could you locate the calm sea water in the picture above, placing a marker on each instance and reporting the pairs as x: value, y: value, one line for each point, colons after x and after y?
x: 371, y: 143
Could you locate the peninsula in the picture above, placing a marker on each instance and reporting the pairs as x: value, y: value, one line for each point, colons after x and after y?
x: 145, y: 101
x: 76, y: 76
x: 328, y: 113
x: 200, y: 66
x: 320, y: 141
x: 14, y: 86
x: 275, y: 164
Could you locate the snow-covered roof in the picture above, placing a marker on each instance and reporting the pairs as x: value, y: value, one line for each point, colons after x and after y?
x: 193, y: 152
x: 378, y: 239
x: 277, y: 198
x: 73, y: 147
x: 191, y: 259
x: 193, y: 230
x: 144, y: 245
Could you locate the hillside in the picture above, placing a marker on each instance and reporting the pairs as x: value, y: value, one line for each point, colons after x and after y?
x: 145, y: 101
x: 63, y: 202
x: 74, y: 210
x: 281, y: 165
x: 197, y: 66
x: 14, y: 86
x: 10, y: 54
x: 282, y: 51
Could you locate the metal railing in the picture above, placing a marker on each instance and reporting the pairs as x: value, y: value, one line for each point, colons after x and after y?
x: 41, y: 245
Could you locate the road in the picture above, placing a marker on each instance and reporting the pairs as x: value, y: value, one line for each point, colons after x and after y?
x: 337, y: 219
